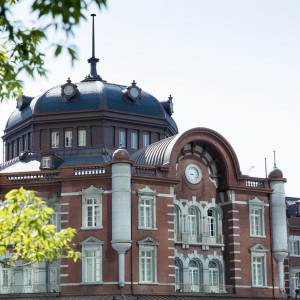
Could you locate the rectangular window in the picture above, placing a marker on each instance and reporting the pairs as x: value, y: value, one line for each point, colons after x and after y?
x: 146, y: 266
x: 295, y: 282
x: 145, y: 213
x: 91, y: 260
x: 92, y: 265
x: 46, y: 162
x: 82, y: 137
x: 255, y: 220
x: 294, y: 245
x: 55, y: 139
x: 15, y: 148
x: 20, y: 150
x: 145, y: 139
x: 134, y: 141
x: 31, y: 279
x: 68, y: 138
x: 25, y: 143
x: 55, y: 220
x: 6, y: 277
x: 122, y: 138
x: 92, y: 213
x: 257, y: 271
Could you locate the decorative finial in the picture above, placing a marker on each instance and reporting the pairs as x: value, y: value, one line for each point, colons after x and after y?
x: 133, y: 83
x: 170, y: 98
x: 69, y: 80
x: 93, y: 60
x: 274, y: 159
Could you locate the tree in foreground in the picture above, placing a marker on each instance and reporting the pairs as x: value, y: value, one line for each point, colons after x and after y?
x: 21, y: 45
x: 25, y: 230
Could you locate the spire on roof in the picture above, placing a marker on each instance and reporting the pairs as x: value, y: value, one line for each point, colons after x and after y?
x: 93, y: 60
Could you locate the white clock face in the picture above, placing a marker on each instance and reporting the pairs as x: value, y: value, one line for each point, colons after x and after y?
x: 193, y: 173
x: 134, y: 92
x: 68, y: 90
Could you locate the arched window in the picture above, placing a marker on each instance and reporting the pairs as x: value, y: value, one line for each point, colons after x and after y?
x: 194, y: 275
x: 212, y: 222
x: 178, y: 275
x: 177, y: 223
x: 193, y: 224
x: 214, y: 276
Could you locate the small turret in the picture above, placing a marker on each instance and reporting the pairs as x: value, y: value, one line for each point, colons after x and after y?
x: 121, y: 208
x: 278, y: 221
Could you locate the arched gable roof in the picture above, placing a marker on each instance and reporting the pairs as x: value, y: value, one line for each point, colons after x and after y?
x: 166, y: 152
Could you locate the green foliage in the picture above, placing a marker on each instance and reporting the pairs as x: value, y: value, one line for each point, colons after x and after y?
x: 26, y: 232
x: 20, y: 46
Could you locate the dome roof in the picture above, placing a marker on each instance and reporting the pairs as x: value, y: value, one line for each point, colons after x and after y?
x: 120, y: 155
x: 276, y: 174
x: 92, y: 95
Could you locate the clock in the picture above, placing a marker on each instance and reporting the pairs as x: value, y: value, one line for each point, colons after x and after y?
x: 68, y: 90
x: 193, y: 173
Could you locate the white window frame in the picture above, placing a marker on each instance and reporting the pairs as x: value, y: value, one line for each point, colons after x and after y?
x: 46, y: 162
x: 134, y: 140
x: 294, y: 280
x: 55, y: 218
x: 94, y: 194
x: 194, y: 271
x: 193, y: 224
x: 147, y: 208
x: 212, y: 223
x: 148, y: 246
x: 146, y: 139
x: 122, y: 138
x: 68, y: 138
x: 6, y: 281
x: 295, y: 247
x: 257, y: 218
x: 258, y: 252
x: 90, y: 246
x: 31, y: 272
x: 55, y: 139
x: 82, y: 137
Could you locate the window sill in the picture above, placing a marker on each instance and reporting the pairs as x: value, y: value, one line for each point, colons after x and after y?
x: 260, y: 286
x: 148, y: 283
x: 91, y: 228
x: 257, y: 236
x: 91, y: 283
x: 147, y: 228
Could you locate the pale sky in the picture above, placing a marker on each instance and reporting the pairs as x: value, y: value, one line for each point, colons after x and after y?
x: 230, y: 65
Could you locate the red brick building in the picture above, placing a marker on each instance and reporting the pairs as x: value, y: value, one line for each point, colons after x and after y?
x: 165, y: 214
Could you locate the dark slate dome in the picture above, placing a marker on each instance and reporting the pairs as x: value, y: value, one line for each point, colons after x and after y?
x: 92, y: 95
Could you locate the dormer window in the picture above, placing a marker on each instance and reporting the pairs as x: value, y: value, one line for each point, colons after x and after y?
x: 46, y: 162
